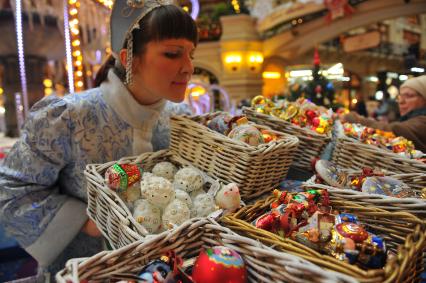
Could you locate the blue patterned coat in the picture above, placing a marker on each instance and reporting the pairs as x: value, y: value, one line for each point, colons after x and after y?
x: 42, y: 187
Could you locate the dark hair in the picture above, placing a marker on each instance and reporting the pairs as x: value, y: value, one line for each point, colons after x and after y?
x: 165, y: 22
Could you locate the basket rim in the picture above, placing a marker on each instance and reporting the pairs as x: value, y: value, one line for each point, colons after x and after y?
x: 286, y: 140
x: 251, y: 111
x: 71, y: 270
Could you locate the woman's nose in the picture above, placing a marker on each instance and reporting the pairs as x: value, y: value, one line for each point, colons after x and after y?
x: 188, y: 66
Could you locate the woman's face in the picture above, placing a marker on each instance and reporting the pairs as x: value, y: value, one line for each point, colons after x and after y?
x: 409, y: 100
x: 163, y: 71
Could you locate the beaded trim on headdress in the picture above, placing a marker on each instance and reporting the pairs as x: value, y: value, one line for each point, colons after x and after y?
x: 143, y: 7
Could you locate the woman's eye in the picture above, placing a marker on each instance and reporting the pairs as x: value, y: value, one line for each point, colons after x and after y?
x: 171, y: 55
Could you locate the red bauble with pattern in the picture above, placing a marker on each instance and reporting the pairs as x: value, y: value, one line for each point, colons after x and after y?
x: 219, y: 264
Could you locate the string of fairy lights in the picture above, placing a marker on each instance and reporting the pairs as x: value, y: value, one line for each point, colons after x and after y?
x: 75, y: 46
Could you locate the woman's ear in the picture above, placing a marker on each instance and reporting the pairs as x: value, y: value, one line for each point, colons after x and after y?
x: 123, y: 57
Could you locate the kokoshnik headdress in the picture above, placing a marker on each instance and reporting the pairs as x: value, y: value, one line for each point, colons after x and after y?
x: 125, y: 18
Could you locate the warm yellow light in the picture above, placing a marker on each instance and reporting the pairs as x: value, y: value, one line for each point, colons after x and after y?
x: 78, y: 63
x: 76, y: 53
x: 75, y: 31
x: 73, y: 11
x: 89, y: 73
x: 271, y: 75
x: 79, y: 73
x: 72, y: 2
x: 233, y: 58
x: 198, y: 91
x: 47, y: 82
x: 80, y: 58
x: 79, y: 84
x: 1, y: 90
x: 256, y: 57
x: 185, y: 8
x: 48, y: 91
x: 76, y: 42
x: 354, y: 101
x: 74, y: 22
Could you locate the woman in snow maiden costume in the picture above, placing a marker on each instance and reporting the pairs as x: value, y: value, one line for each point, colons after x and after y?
x: 43, y: 191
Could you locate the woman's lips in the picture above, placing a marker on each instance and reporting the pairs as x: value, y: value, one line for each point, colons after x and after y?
x: 180, y: 83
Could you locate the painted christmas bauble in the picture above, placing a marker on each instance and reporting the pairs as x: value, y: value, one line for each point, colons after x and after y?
x: 329, y: 172
x: 220, y: 123
x: 219, y: 264
x: 386, y: 186
x: 248, y: 134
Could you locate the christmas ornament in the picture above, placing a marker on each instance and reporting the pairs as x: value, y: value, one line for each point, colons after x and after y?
x: 158, y: 191
x: 228, y: 197
x: 175, y: 213
x: 329, y: 172
x: 219, y: 264
x: 148, y: 215
x: 188, y: 179
x: 121, y: 176
x: 165, y: 169
x: 184, y: 196
x: 220, y: 123
x: 247, y: 134
x: 203, y: 205
x: 337, y: 9
x: 386, y: 186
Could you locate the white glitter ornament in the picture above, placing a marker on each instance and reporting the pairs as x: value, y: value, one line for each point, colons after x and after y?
x: 183, y: 196
x: 188, y: 179
x: 158, y: 191
x: 203, y: 205
x: 175, y: 213
x: 194, y: 194
x: 148, y: 215
x: 165, y: 169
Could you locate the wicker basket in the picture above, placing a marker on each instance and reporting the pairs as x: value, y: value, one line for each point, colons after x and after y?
x: 264, y: 264
x: 353, y: 154
x: 416, y: 206
x: 108, y: 210
x: 404, y: 234
x: 311, y: 143
x: 255, y: 169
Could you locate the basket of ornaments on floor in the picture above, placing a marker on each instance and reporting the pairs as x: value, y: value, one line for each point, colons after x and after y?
x: 235, y: 150
x: 367, y: 243
x: 198, y: 251
x: 358, y: 146
x: 144, y: 195
x: 310, y: 123
x: 372, y: 187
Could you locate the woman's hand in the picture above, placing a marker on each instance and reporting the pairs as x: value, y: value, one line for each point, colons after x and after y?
x: 90, y: 229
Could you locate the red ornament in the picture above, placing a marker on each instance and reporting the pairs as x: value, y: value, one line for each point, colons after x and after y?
x: 311, y: 114
x: 337, y: 9
x: 219, y: 264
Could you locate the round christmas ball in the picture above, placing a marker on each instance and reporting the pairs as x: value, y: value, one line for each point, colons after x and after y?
x: 219, y: 264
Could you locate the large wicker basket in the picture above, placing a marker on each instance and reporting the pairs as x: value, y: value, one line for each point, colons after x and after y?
x: 311, y: 143
x: 353, y: 154
x: 255, y: 169
x: 416, y: 206
x: 264, y: 264
x: 108, y: 210
x: 404, y: 234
